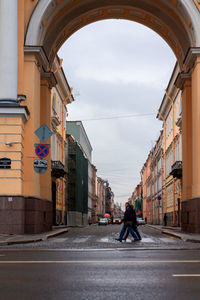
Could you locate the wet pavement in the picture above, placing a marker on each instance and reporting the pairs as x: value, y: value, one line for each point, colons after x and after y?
x: 88, y: 263
x: 101, y: 237
x: 38, y: 274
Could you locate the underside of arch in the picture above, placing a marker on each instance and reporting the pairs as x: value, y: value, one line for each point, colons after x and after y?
x: 54, y: 21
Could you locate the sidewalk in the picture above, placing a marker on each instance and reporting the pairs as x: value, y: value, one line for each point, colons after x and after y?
x: 176, y: 232
x: 7, y: 239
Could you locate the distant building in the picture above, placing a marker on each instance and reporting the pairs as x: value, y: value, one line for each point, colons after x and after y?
x: 77, y: 185
x: 60, y: 96
x: 162, y: 172
x: 109, y: 199
x: 77, y: 131
x: 157, y: 181
x: 94, y: 195
x: 170, y: 114
x: 136, y: 200
x: 100, y: 197
x: 147, y: 189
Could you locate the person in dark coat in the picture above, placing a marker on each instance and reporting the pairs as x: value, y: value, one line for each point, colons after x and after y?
x: 165, y: 219
x: 134, y: 225
x: 128, y: 221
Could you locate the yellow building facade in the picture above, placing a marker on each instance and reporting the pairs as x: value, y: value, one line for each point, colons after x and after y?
x: 29, y: 45
x: 61, y: 95
x: 170, y: 114
x: 162, y: 172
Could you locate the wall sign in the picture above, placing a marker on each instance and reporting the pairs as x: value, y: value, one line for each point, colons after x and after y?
x: 5, y: 163
x: 42, y: 150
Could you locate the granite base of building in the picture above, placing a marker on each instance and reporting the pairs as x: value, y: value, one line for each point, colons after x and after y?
x: 190, y: 215
x: 75, y: 218
x: 172, y: 221
x: 24, y: 215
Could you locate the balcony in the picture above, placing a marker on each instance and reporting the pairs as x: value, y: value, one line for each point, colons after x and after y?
x: 176, y: 171
x: 57, y: 169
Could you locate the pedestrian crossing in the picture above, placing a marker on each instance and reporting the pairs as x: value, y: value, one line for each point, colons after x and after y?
x: 110, y: 239
x: 80, y: 240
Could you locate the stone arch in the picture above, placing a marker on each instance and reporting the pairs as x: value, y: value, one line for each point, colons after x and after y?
x: 177, y: 21
x: 54, y: 21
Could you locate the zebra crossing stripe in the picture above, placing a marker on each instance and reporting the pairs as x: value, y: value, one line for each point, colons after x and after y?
x: 167, y: 240
x: 58, y: 240
x: 147, y: 240
x: 80, y: 240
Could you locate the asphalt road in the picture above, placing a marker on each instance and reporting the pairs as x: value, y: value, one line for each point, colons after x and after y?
x: 89, y: 264
x: 99, y: 274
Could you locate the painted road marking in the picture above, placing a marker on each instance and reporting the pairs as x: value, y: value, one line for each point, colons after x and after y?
x: 58, y: 240
x: 167, y: 240
x: 96, y: 261
x: 80, y: 240
x: 104, y: 240
x: 186, y: 275
x: 147, y: 240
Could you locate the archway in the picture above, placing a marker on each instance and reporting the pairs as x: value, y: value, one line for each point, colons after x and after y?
x: 44, y: 25
x: 53, y: 22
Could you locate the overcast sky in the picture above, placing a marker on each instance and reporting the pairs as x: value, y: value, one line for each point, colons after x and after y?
x: 117, y: 69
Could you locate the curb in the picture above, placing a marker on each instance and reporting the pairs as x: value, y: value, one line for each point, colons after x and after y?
x: 173, y: 234
x: 23, y: 241
x: 50, y: 235
x: 34, y: 240
x: 176, y: 235
x: 159, y: 229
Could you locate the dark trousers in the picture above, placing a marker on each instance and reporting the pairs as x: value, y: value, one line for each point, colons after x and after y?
x: 136, y: 231
x: 130, y: 229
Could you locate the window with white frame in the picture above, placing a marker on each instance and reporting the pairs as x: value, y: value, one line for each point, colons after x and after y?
x: 169, y: 161
x: 54, y: 104
x: 53, y: 146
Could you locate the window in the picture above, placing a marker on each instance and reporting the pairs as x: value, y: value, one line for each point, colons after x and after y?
x: 54, y: 104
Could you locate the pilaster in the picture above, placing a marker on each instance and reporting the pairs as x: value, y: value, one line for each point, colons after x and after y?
x: 12, y: 121
x: 187, y: 140
x: 45, y: 118
x: 195, y: 128
x: 8, y: 51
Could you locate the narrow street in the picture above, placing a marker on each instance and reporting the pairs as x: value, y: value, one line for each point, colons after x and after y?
x: 100, y: 237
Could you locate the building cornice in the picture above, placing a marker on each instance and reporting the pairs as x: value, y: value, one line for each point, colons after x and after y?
x: 181, y: 79
x: 43, y: 63
x: 50, y: 78
x: 40, y: 55
x: 15, y: 111
x: 189, y: 62
x: 191, y: 57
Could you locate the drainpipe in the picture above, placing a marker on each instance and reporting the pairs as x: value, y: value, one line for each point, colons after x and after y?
x: 65, y: 100
x: 63, y: 135
x: 59, y: 67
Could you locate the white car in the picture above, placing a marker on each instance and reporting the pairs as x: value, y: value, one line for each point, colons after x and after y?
x: 103, y: 221
x: 140, y: 221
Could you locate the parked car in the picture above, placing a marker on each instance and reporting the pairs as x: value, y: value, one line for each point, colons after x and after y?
x: 117, y: 220
x: 103, y: 221
x: 140, y: 221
